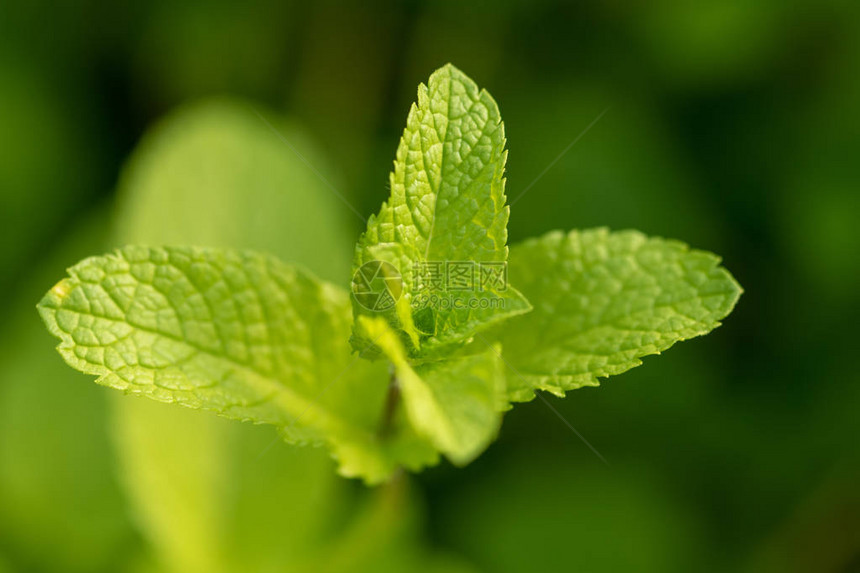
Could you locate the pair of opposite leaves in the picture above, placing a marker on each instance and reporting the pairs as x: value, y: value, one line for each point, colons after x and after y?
x: 252, y: 338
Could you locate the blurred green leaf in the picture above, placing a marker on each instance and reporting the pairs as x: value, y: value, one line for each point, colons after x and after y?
x: 219, y: 173
x: 181, y: 474
x: 216, y: 496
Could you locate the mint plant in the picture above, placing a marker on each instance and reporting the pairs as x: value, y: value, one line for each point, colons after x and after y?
x: 444, y: 328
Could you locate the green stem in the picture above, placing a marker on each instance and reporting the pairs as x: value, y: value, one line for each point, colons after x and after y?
x: 392, y: 401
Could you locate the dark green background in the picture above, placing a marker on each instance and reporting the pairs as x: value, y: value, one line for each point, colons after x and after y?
x: 732, y: 125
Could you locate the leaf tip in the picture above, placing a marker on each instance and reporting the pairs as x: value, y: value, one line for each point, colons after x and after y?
x: 62, y: 289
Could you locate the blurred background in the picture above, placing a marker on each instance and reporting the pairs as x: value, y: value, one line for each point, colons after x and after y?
x: 730, y: 124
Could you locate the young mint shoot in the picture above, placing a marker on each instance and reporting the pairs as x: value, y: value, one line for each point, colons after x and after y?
x: 443, y: 328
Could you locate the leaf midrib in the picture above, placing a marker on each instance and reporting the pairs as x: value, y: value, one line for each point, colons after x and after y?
x: 444, y: 140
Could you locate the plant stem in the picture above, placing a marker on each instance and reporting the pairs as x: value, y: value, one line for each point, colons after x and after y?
x: 392, y: 400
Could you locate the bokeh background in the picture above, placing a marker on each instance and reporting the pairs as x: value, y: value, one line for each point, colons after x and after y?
x: 731, y: 124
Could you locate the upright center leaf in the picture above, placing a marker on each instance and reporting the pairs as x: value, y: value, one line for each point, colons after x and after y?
x: 444, y: 228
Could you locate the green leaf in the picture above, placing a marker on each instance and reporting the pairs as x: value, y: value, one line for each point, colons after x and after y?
x: 216, y: 503
x: 603, y: 301
x: 180, y: 480
x: 233, y: 332
x: 218, y: 174
x: 453, y: 403
x: 447, y: 204
x: 207, y: 502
